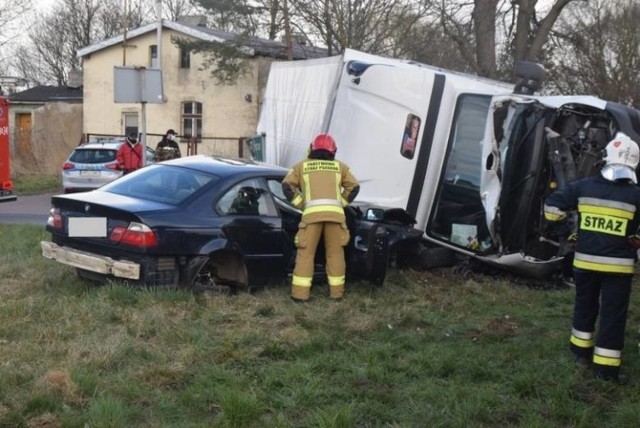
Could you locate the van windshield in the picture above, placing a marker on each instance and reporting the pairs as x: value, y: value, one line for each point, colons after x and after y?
x: 459, y: 217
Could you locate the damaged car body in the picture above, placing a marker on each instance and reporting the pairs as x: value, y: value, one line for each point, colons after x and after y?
x: 532, y: 146
x: 206, y: 223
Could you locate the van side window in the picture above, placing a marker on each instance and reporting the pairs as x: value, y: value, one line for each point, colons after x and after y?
x: 410, y: 136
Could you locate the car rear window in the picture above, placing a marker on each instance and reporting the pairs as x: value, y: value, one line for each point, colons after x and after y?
x: 161, y: 183
x: 93, y: 156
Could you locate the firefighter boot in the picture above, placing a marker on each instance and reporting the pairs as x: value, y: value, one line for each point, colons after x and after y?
x: 336, y: 291
x: 300, y: 293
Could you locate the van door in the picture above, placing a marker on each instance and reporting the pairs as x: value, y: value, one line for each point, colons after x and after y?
x: 371, y: 115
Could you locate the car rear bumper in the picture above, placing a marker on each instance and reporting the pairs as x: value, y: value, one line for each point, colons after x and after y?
x: 91, y: 262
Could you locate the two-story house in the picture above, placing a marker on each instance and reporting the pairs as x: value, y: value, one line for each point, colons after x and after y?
x: 198, y: 108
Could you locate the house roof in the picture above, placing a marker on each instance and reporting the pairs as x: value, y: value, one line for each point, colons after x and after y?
x: 47, y: 94
x: 253, y: 46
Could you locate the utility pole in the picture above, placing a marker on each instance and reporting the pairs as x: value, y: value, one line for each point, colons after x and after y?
x: 287, y: 30
x: 159, y: 34
x: 125, y: 23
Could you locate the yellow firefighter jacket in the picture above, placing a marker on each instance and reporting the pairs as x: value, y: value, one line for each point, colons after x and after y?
x: 321, y: 188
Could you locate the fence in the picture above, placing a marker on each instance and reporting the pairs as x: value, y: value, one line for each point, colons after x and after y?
x: 235, y: 147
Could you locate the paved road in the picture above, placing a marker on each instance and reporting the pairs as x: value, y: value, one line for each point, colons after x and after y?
x: 26, y: 210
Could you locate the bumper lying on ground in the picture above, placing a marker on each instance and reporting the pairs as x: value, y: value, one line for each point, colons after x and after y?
x: 91, y: 262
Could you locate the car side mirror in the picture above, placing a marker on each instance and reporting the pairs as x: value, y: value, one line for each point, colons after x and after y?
x: 374, y: 214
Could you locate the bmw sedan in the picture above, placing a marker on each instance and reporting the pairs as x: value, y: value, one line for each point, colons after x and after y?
x: 204, y: 222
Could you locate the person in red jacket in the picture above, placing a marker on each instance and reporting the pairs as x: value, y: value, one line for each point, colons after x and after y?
x: 129, y: 155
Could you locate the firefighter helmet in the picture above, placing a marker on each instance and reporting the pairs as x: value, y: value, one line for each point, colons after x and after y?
x: 324, y: 142
x: 621, y: 159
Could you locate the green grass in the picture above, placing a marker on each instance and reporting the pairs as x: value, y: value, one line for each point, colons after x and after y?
x: 33, y: 184
x: 429, y: 349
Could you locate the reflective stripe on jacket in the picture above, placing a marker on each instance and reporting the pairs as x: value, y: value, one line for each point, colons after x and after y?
x: 607, y: 214
x: 323, y: 189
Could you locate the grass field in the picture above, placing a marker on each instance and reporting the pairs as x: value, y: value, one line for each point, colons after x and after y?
x: 429, y: 349
x: 36, y: 183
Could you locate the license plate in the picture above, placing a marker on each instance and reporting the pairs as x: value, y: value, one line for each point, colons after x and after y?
x: 90, y: 173
x: 87, y: 227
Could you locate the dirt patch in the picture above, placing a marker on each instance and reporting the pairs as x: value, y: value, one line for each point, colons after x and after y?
x: 59, y: 383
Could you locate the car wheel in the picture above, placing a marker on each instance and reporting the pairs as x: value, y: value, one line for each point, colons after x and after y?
x: 224, y: 272
x: 206, y: 280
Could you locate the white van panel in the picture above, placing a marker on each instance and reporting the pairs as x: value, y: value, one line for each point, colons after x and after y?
x: 294, y: 105
x: 368, y: 123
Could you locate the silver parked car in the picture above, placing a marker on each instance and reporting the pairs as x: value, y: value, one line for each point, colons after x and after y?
x: 92, y: 165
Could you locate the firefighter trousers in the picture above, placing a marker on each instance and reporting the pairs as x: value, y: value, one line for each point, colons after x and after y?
x: 336, y: 236
x: 606, y: 295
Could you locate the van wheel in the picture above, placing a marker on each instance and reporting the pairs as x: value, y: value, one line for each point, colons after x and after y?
x: 433, y: 257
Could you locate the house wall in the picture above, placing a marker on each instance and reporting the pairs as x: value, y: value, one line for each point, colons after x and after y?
x: 56, y: 128
x: 225, y: 111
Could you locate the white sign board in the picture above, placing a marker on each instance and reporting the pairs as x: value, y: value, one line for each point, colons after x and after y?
x: 137, y: 85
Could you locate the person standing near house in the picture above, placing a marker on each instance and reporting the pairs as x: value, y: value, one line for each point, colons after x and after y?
x: 321, y: 186
x: 129, y: 155
x: 168, y: 148
x: 608, y: 207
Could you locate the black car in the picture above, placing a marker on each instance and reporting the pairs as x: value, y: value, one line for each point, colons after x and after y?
x: 206, y: 222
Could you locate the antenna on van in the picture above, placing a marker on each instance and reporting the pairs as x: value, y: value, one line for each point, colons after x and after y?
x: 528, y: 76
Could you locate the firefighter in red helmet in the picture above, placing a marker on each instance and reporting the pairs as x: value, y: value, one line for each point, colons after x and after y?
x: 320, y: 186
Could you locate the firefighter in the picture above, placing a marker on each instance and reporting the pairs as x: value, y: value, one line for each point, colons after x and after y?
x: 320, y: 186
x: 608, y: 207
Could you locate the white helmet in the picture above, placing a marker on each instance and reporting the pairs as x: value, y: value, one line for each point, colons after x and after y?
x: 621, y: 159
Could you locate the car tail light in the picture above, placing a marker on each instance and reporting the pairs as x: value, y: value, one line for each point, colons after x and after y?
x: 55, y: 219
x: 113, y: 165
x: 68, y: 165
x: 137, y: 235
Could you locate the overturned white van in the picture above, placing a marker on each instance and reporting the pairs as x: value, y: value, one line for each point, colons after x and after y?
x: 469, y: 158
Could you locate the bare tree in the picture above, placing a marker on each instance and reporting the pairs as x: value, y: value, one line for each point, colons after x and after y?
x: 174, y: 9
x: 425, y: 42
x: 597, y: 50
x: 522, y: 35
x: 370, y: 26
x: 51, y: 51
x: 12, y: 17
x: 11, y: 11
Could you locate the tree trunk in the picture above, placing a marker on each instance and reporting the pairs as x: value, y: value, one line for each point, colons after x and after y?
x: 484, y: 17
x: 542, y: 34
x: 287, y: 30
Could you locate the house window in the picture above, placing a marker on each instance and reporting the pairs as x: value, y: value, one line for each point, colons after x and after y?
x: 153, y: 56
x: 130, y: 121
x: 192, y: 120
x: 185, y: 58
